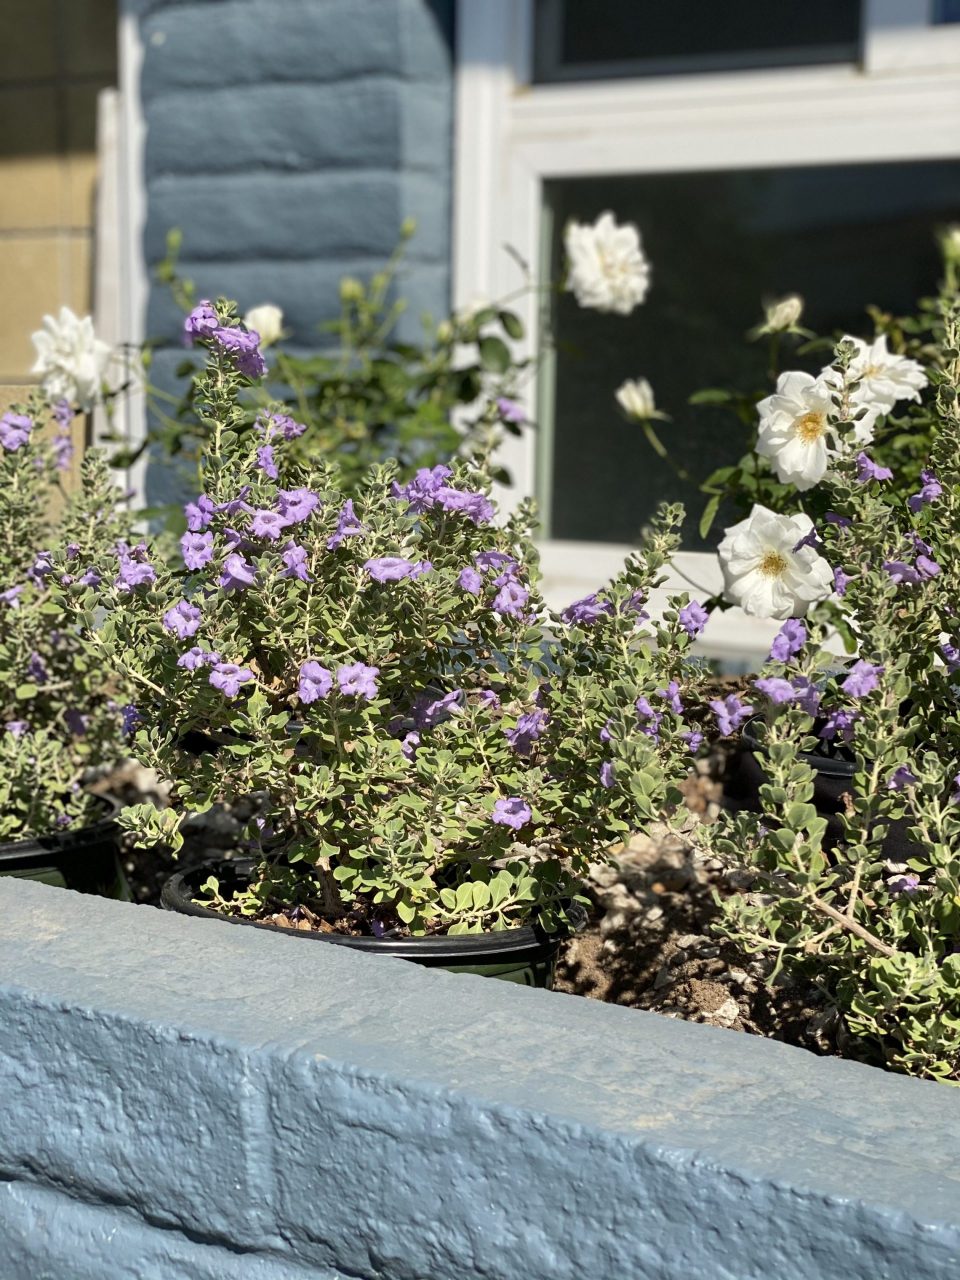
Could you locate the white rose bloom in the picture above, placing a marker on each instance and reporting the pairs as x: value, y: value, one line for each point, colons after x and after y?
x: 267, y: 320
x: 764, y: 572
x: 884, y: 377
x: 607, y: 267
x: 796, y: 432
x: 784, y: 313
x: 71, y: 360
x: 635, y: 398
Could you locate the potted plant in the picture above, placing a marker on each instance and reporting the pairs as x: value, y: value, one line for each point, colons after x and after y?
x: 62, y: 716
x: 435, y: 756
x: 877, y: 925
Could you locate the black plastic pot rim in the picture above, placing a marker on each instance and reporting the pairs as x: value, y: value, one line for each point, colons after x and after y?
x: 56, y: 842
x: 527, y: 941
x: 829, y: 766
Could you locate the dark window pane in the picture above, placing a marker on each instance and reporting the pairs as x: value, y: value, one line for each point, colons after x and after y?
x: 946, y: 11
x: 584, y: 39
x: 842, y: 236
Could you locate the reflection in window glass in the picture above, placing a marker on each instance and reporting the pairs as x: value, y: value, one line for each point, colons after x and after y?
x: 574, y: 39
x: 842, y: 236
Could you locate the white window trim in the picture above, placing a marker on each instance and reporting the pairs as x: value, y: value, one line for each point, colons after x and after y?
x: 512, y: 136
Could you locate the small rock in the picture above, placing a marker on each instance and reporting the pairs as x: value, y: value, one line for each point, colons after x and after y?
x: 727, y: 1014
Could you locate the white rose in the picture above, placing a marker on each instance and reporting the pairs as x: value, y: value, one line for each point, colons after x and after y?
x: 884, y: 378
x: 950, y: 242
x: 765, y: 572
x: 796, y: 432
x: 71, y: 360
x: 784, y: 313
x: 635, y: 398
x: 267, y: 320
x: 607, y: 268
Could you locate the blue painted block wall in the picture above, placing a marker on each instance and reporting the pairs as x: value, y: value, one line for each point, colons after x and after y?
x: 288, y: 140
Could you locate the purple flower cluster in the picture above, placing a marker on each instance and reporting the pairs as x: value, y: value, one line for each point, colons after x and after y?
x: 197, y: 549
x: 278, y: 424
x: 357, y: 680
x: 238, y: 574
x: 228, y: 677
x: 295, y: 562
x: 693, y: 618
x: 428, y: 489
x: 648, y: 718
x: 196, y: 658
x: 428, y: 711
x: 528, y: 729
x: 315, y: 682
x: 183, y: 619
x: 868, y: 470
x: 589, y: 609
x: 923, y: 568
x: 839, y: 724
x: 348, y: 525
x: 242, y: 344
x: 395, y: 568
x: 862, y: 678
x: 135, y: 569
x: 15, y: 430
x: 901, y: 778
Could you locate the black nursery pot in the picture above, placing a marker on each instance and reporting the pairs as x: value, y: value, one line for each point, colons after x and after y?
x: 526, y: 954
x: 86, y: 859
x: 833, y: 778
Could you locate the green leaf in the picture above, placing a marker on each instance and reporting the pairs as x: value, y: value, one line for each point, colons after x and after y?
x: 709, y: 515
x: 512, y: 325
x: 494, y: 354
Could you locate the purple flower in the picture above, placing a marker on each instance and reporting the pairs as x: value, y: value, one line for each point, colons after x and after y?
x: 510, y: 410
x: 347, y: 526
x: 868, y: 470
x: 429, y: 712
x: 196, y: 657
x: 527, y: 731
x: 671, y: 696
x: 36, y: 670
x: 901, y: 573
x: 841, y: 581
x: 410, y: 743
x: 420, y: 568
x: 842, y: 522
x: 62, y: 452
x: 421, y: 492
x: 648, y: 718
x: 730, y: 712
x: 129, y: 718
x: 199, y: 513
x: 476, y: 506
x: 901, y: 778
x: 494, y: 560
x: 606, y: 774
x: 41, y: 567
x: 693, y: 618
x: 788, y: 641
x: 77, y: 723
x: 296, y: 504
x: 15, y: 430
x: 197, y: 549
x: 315, y: 682
x: 811, y: 539
x: 951, y: 656
x: 63, y: 413
x: 605, y: 734
x: 244, y: 346
x: 237, y: 573
x: 266, y: 461
x: 583, y: 612
x: 17, y: 727
x: 389, y: 568
x: 487, y: 698
x: 839, y: 724
x: 202, y: 322
x: 511, y: 598
x: 90, y: 579
x: 807, y: 695
x: 470, y: 580
x: 235, y: 505
x: 926, y: 567
x: 777, y: 690
x: 693, y: 739
x: 279, y: 423
x: 134, y: 573
x: 183, y: 619
x: 11, y: 596
x: 267, y: 524
x: 512, y: 812
x: 931, y: 490
x: 228, y: 677
x: 358, y: 680
x: 907, y: 884
x: 295, y: 558
x: 862, y: 678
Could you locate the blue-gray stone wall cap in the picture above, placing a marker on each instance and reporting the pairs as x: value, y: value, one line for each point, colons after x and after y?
x: 684, y: 1093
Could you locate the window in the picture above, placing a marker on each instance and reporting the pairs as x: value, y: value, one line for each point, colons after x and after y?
x: 573, y: 40
x: 842, y: 235
x: 816, y: 156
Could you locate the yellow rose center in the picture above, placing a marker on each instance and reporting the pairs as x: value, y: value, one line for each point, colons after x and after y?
x: 773, y: 564
x: 811, y: 427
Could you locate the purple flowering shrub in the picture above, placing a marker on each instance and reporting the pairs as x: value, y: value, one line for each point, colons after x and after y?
x: 371, y: 396
x: 429, y: 747
x: 60, y: 715
x: 881, y: 933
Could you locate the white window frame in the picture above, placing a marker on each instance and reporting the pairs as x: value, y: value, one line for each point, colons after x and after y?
x: 901, y: 102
